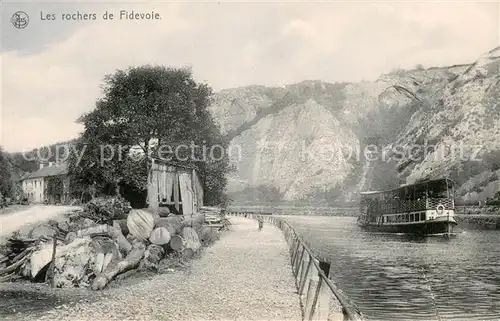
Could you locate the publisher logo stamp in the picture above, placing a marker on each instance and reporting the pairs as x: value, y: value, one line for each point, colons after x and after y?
x: 20, y: 19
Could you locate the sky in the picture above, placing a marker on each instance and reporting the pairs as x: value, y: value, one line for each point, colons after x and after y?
x: 52, y: 69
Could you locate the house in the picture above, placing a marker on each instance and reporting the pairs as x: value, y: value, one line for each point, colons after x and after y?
x: 18, y: 185
x: 174, y: 186
x: 42, y: 185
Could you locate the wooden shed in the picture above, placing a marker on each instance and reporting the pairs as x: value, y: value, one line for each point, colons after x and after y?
x: 174, y: 186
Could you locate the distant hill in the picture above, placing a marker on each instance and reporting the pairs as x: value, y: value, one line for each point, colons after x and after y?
x: 290, y: 137
x: 30, y: 161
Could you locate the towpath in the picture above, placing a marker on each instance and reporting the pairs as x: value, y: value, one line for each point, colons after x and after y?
x: 14, y: 221
x: 246, y: 275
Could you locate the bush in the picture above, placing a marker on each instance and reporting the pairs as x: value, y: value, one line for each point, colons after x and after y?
x: 209, y: 236
x: 493, y: 202
x: 105, y: 209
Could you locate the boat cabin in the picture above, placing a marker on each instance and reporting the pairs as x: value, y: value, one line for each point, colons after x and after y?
x: 420, y: 197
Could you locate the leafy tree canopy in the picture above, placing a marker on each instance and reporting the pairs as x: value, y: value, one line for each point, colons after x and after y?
x: 153, y: 110
x: 6, y: 183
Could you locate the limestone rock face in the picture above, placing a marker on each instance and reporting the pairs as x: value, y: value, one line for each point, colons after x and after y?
x: 305, y: 138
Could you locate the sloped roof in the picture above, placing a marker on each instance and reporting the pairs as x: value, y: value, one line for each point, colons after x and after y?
x: 24, y: 176
x: 47, y: 171
x: 172, y: 163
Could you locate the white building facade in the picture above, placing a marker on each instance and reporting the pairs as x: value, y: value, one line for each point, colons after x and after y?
x: 33, y: 189
x: 34, y: 184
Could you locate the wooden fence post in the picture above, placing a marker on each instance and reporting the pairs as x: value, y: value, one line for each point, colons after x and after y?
x: 323, y: 306
x: 305, y: 274
x: 296, y: 246
x: 310, y: 294
x: 53, y: 262
x: 300, y: 266
x: 314, y: 305
x: 295, y: 258
x: 298, y: 262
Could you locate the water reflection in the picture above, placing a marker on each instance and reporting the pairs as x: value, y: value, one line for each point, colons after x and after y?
x: 403, y: 277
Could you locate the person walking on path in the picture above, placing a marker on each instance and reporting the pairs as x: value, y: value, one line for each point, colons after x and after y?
x: 260, y: 219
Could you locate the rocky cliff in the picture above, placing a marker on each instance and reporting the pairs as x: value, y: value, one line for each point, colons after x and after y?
x: 417, y: 124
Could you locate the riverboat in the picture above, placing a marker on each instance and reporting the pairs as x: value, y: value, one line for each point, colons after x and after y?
x: 424, y: 208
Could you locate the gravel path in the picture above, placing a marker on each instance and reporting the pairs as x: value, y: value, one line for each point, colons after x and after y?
x: 14, y: 221
x: 14, y: 208
x: 244, y: 276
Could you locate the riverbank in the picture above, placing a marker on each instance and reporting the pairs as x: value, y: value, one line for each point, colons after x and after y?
x: 468, y: 217
x: 478, y: 221
x: 351, y: 211
x: 246, y: 275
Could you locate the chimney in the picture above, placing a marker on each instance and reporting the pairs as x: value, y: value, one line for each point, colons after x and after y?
x: 51, y: 163
x: 41, y: 165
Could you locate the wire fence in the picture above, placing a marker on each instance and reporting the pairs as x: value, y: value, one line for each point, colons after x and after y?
x: 320, y: 297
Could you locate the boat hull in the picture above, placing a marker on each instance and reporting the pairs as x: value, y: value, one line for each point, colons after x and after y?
x: 421, y: 228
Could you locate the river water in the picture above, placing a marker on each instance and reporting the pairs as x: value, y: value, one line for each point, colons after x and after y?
x: 400, y: 277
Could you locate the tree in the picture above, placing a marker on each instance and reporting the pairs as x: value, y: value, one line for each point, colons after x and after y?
x: 329, y: 196
x: 258, y: 195
x: 6, y: 183
x: 149, y: 107
x: 28, y: 161
x: 54, y: 185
